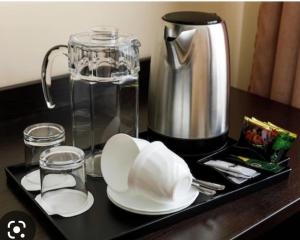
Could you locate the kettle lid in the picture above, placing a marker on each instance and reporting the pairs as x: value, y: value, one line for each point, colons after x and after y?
x: 192, y: 18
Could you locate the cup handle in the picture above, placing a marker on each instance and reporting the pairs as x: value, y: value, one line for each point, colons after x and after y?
x: 47, y: 69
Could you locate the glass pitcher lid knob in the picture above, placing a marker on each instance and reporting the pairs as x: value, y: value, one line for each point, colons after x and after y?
x: 103, y: 33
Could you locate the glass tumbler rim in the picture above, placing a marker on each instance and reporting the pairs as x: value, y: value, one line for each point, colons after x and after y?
x: 30, y: 137
x: 73, y: 162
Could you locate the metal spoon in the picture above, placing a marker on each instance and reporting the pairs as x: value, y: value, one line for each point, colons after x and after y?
x: 210, y: 185
x: 205, y: 191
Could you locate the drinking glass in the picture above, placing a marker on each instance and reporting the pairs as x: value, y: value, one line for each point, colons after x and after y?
x: 63, y: 179
x: 39, y: 137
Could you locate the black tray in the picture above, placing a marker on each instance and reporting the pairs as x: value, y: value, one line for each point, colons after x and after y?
x: 106, y: 221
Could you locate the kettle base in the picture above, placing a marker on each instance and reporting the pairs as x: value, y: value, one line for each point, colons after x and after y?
x: 191, y: 146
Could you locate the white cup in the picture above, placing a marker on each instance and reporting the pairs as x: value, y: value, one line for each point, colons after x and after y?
x: 117, y: 157
x: 160, y: 174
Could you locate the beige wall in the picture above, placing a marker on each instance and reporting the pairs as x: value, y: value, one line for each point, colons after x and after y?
x: 28, y: 30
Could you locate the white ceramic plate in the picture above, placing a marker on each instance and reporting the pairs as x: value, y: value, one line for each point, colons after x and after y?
x: 139, y: 204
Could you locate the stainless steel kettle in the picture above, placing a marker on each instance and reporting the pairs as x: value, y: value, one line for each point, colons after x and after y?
x: 189, y: 83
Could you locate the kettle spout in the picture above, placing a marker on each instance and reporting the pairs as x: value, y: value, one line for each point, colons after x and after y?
x: 178, y: 47
x: 172, y: 54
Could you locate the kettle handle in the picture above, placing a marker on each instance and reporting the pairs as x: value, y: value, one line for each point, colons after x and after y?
x: 52, y: 53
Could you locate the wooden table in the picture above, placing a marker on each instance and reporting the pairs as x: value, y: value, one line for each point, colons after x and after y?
x: 247, y: 216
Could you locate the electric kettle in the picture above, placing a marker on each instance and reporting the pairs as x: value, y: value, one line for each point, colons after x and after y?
x: 189, y: 83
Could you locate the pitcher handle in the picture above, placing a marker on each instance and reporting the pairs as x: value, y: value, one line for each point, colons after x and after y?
x: 47, y: 70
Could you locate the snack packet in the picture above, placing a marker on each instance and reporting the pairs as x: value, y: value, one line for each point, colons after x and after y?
x: 266, y: 138
x: 267, y: 166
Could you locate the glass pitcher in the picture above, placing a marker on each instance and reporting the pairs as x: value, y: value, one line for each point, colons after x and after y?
x: 104, y: 70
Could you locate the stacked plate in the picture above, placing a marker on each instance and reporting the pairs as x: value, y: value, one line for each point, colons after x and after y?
x: 140, y: 204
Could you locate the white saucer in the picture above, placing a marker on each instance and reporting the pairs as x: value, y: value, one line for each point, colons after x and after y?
x: 32, y: 181
x: 65, y: 202
x: 139, y: 204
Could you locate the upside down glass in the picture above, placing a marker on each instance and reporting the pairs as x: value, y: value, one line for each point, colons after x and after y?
x: 63, y: 179
x: 38, y: 137
x: 104, y: 70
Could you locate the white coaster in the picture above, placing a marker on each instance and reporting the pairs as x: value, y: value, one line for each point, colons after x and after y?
x: 65, y: 202
x: 32, y: 181
x: 58, y: 181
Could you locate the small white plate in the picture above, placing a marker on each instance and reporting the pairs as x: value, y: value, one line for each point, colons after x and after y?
x: 65, y: 202
x: 139, y: 204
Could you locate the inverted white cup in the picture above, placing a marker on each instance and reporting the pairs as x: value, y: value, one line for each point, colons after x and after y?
x: 160, y: 174
x: 117, y: 157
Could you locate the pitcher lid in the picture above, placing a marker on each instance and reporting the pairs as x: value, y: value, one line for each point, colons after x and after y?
x: 102, y: 36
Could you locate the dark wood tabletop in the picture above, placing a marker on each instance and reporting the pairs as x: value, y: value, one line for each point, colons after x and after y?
x: 245, y: 217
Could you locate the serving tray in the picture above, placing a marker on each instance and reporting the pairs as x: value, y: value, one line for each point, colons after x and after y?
x: 106, y: 221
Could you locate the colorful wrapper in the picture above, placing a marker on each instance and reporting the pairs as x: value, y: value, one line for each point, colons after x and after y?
x: 269, y: 140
